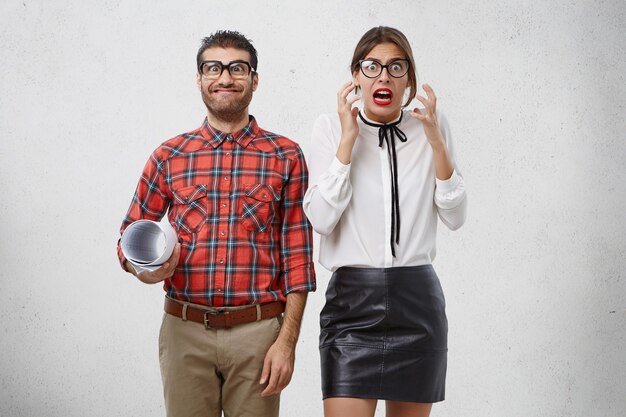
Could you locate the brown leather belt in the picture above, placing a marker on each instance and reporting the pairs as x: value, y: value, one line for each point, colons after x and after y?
x: 221, y: 319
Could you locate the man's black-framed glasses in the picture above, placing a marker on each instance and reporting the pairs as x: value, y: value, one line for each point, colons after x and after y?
x: 396, y: 68
x: 214, y: 69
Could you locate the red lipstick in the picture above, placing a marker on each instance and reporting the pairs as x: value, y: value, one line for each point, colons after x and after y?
x: 382, y: 97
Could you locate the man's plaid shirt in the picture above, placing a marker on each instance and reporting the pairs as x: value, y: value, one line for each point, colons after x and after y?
x: 235, y: 201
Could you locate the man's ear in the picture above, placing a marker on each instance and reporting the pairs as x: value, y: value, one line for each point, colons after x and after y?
x: 199, y: 80
x: 255, y: 81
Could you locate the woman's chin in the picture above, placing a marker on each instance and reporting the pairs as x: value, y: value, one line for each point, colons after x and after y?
x: 382, y: 114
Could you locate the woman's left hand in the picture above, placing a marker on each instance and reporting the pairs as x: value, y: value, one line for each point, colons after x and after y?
x: 428, y: 116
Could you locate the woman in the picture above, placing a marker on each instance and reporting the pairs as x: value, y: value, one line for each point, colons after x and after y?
x: 379, y: 178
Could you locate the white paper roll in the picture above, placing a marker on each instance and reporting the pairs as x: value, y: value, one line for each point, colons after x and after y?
x: 148, y: 244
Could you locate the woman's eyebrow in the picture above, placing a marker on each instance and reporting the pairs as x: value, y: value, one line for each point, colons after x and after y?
x: 378, y: 60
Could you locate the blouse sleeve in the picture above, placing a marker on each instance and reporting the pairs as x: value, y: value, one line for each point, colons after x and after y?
x: 329, y: 180
x: 450, y: 195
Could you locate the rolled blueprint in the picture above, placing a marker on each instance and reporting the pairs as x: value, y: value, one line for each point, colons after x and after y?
x: 148, y: 244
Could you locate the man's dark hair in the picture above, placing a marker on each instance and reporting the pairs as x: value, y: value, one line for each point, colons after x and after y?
x: 227, y: 39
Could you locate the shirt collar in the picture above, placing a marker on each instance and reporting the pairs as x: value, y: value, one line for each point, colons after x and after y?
x: 243, y: 137
x: 373, y: 128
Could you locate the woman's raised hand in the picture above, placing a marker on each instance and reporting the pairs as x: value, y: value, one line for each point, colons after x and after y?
x: 347, y: 118
x: 428, y: 116
x: 347, y: 114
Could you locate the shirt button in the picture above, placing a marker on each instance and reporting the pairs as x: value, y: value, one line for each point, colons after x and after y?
x: 227, y: 153
x: 264, y: 195
x: 223, y: 233
x: 221, y: 261
x: 224, y: 204
x: 226, y: 178
x: 219, y: 290
x: 229, y: 137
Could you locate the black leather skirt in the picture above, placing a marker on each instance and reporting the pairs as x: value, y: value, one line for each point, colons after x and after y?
x: 384, y: 335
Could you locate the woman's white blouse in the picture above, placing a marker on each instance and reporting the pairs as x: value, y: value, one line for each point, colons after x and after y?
x: 350, y: 205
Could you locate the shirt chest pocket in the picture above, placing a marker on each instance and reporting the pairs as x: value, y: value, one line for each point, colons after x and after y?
x: 190, y: 207
x: 258, y: 207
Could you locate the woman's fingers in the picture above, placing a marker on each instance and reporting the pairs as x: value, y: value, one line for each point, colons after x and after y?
x: 343, y: 93
x: 347, y: 113
x: 353, y: 100
x: 432, y: 98
x: 417, y: 114
x: 423, y: 100
x: 345, y: 89
x: 430, y: 93
x: 347, y: 118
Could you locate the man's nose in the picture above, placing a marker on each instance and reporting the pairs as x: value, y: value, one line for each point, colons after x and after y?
x: 225, y: 77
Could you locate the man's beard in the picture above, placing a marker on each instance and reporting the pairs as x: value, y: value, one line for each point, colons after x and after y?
x: 228, y: 111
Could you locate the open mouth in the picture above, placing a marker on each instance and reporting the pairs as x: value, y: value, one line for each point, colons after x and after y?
x: 382, y: 96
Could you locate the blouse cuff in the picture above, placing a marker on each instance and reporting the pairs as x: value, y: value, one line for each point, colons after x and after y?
x: 339, y: 169
x: 449, y: 193
x: 445, y: 186
x: 334, y: 184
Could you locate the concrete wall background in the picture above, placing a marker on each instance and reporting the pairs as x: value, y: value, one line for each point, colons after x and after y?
x: 535, y: 280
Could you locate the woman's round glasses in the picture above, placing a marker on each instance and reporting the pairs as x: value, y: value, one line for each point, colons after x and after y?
x: 214, y: 69
x: 396, y: 68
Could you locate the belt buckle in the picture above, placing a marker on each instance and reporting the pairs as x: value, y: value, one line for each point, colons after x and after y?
x: 206, y: 317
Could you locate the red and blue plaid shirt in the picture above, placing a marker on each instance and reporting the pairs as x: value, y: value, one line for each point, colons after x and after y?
x: 235, y: 201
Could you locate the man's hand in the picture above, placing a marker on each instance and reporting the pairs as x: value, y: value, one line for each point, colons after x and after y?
x: 164, y: 272
x: 277, y: 368
x: 280, y: 357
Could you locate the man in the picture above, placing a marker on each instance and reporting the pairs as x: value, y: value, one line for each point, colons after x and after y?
x: 233, y: 193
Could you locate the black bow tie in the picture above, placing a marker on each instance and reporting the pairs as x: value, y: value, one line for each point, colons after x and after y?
x: 387, y: 133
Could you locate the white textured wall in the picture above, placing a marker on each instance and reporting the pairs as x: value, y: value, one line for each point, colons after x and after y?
x: 535, y: 280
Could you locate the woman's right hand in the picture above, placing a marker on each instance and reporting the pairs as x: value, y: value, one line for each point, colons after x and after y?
x: 347, y: 118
